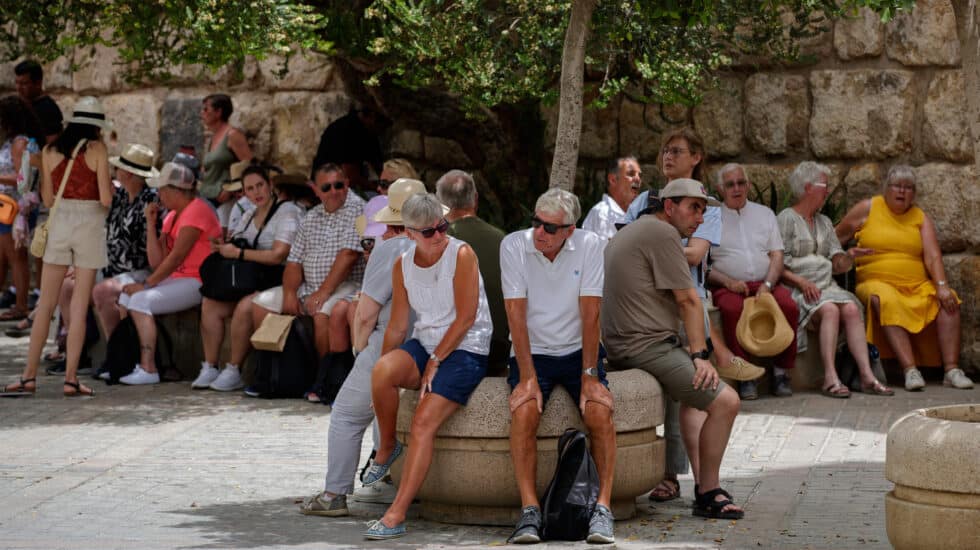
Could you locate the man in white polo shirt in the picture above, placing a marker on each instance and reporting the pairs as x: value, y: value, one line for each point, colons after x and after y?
x: 552, y: 278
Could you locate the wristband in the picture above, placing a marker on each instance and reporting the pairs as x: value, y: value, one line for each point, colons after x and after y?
x: 241, y: 253
x: 768, y: 284
x: 940, y: 283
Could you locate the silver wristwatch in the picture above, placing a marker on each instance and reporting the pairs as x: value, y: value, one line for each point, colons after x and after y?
x: 591, y: 371
x: 435, y: 359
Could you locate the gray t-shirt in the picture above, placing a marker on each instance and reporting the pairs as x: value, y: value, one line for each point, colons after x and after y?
x: 282, y: 227
x: 377, y: 279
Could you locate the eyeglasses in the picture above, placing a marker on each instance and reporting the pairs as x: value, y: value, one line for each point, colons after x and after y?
x: 367, y: 243
x: 549, y: 228
x: 902, y: 187
x: 384, y: 184
x: 739, y: 183
x: 338, y: 185
x: 428, y: 232
x: 673, y: 151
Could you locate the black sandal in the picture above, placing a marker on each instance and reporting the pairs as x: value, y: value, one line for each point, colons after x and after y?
x: 78, y: 390
x: 706, y: 506
x: 21, y: 391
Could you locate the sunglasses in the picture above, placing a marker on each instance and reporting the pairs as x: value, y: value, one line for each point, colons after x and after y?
x: 428, y: 232
x: 338, y: 185
x: 384, y: 184
x: 549, y: 228
x: 367, y: 244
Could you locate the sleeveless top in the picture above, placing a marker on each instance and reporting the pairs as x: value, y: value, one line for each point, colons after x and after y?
x: 82, y: 184
x: 7, y: 161
x: 431, y: 295
x: 216, y: 164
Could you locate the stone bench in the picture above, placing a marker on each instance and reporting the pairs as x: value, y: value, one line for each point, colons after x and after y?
x: 471, y: 479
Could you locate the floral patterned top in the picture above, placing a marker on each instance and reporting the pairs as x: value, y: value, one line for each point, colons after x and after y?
x: 126, y: 232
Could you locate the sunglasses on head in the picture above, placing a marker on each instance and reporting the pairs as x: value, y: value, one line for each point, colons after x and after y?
x: 367, y: 243
x: 549, y: 228
x: 428, y: 232
x: 338, y: 185
x: 384, y: 184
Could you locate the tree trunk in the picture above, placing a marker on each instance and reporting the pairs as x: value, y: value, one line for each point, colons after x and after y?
x: 570, y: 98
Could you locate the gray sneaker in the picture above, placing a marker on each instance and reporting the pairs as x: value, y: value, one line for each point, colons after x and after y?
x: 748, y: 390
x: 914, y: 380
x: 378, y: 471
x: 957, y: 379
x: 601, y: 526
x: 321, y: 505
x: 528, y: 530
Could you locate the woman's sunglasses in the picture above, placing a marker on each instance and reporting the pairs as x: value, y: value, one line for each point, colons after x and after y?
x: 549, y: 228
x: 367, y: 243
x: 384, y: 184
x: 428, y: 232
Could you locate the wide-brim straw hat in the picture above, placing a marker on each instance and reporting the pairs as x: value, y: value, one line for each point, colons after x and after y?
x: 89, y: 110
x: 371, y: 228
x: 234, y: 181
x: 762, y: 329
x: 398, y: 193
x: 136, y: 159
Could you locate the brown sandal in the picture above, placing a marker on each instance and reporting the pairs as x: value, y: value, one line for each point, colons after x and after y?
x: 837, y: 390
x: 20, y: 390
x: 13, y: 314
x: 877, y: 388
x: 670, y: 489
x: 78, y: 389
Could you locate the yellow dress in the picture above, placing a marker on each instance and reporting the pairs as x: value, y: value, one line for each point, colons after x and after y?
x: 897, y: 274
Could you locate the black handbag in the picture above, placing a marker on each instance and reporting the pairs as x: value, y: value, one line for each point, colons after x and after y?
x: 231, y: 279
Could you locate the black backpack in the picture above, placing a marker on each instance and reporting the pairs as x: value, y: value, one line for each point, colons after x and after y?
x: 288, y: 373
x: 571, y: 496
x: 122, y: 352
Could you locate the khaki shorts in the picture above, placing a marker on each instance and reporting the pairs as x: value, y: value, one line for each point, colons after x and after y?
x: 76, y: 235
x: 671, y: 365
x: 271, y: 299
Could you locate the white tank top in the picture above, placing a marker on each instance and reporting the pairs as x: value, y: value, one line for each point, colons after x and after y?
x: 431, y: 295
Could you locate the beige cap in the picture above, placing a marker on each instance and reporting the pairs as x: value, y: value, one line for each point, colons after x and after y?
x: 686, y: 187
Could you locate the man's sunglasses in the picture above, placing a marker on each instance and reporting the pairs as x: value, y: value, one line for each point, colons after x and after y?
x: 549, y: 228
x: 428, y: 232
x: 367, y: 243
x: 384, y: 184
x: 338, y: 185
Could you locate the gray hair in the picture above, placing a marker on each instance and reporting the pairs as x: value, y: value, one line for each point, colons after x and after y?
x: 555, y: 201
x: 898, y: 172
x: 456, y: 189
x: 421, y: 210
x: 804, y: 173
x: 720, y: 174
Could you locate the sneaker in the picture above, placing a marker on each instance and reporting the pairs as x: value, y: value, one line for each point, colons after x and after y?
x: 378, y: 471
x: 740, y: 369
x: 914, y: 381
x: 601, y: 526
x: 252, y: 391
x: 105, y: 375
x: 230, y: 379
x: 139, y: 377
x: 382, y: 491
x: 380, y: 531
x: 957, y: 379
x: 528, y: 530
x: 321, y: 505
x: 205, y: 377
x: 748, y: 390
x: 780, y: 386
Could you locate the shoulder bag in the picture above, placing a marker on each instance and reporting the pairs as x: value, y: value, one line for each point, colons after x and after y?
x: 40, y: 240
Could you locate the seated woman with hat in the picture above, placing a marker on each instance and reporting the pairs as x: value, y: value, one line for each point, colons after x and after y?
x: 231, y: 212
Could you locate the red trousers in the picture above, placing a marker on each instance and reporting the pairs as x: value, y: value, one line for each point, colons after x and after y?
x: 730, y: 305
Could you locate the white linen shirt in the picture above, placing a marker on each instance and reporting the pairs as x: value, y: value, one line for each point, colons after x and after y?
x: 552, y: 289
x: 603, y: 217
x: 747, y: 237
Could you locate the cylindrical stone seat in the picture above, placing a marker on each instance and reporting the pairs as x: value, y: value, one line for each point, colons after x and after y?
x: 471, y: 479
x: 932, y: 457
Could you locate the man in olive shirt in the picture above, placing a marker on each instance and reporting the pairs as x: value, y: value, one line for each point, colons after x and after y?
x: 647, y: 290
x: 457, y: 190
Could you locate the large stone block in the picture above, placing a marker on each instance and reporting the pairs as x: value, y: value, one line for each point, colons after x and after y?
x: 963, y: 275
x: 637, y: 136
x: 949, y: 195
x: 863, y: 181
x: 862, y: 113
x: 718, y: 119
x: 97, y: 71
x: 135, y: 118
x: 600, y: 132
x: 946, y: 126
x: 181, y: 125
x: 299, y: 120
x: 306, y: 71
x: 445, y: 152
x: 253, y: 114
x: 58, y: 75
x: 859, y: 35
x: 406, y: 143
x: 926, y: 35
x: 777, y: 113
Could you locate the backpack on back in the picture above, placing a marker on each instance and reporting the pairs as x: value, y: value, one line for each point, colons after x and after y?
x: 571, y: 496
x: 290, y: 372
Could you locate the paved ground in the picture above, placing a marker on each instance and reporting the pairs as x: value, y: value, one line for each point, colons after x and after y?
x: 164, y: 467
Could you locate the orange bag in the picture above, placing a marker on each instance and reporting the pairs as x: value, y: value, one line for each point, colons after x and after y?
x: 8, y: 209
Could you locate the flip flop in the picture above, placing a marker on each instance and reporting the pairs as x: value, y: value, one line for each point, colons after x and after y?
x: 837, y: 391
x: 877, y: 388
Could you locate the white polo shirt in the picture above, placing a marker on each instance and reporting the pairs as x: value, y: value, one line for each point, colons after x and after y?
x: 747, y: 237
x: 604, y: 216
x: 552, y: 289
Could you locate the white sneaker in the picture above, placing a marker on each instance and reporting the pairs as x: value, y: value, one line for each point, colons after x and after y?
x: 205, y: 377
x: 957, y: 379
x: 382, y: 491
x: 230, y: 379
x: 140, y: 377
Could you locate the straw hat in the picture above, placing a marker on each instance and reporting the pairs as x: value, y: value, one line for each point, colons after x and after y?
x: 762, y: 329
x: 89, y: 110
x: 372, y: 228
x: 234, y: 181
x: 398, y: 193
x: 136, y: 159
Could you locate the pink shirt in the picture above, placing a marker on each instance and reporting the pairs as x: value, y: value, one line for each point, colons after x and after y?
x: 201, y: 216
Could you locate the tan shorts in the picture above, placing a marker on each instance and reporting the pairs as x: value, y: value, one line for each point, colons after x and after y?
x: 271, y: 299
x: 76, y: 235
x: 671, y: 365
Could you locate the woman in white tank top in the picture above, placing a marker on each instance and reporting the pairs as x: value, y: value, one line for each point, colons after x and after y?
x: 446, y: 358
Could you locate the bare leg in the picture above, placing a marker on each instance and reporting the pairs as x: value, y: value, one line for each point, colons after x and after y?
x: 51, y: 280
x: 213, y: 315
x: 339, y: 328
x: 856, y: 341
x: 84, y: 281
x: 948, y: 325
x: 602, y: 435
x: 898, y: 339
x: 146, y: 327
x: 714, y: 438
x: 64, y: 300
x: 22, y: 277
x: 241, y: 330
x: 524, y: 450
x: 692, y: 421
x: 396, y: 369
x: 321, y: 334
x: 105, y: 296
x: 828, y: 321
x: 258, y: 314
x: 723, y: 355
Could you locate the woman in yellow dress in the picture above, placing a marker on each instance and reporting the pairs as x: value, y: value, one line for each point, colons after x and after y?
x: 902, y: 282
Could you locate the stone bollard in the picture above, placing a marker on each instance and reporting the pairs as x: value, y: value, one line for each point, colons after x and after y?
x: 933, y: 457
x: 471, y: 479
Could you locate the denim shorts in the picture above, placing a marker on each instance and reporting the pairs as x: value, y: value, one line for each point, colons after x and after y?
x: 565, y: 370
x: 458, y: 375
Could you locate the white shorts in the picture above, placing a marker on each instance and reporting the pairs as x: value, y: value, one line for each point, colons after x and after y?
x: 271, y: 299
x: 170, y: 296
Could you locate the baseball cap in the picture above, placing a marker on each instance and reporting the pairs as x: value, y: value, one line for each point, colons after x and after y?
x: 686, y: 187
